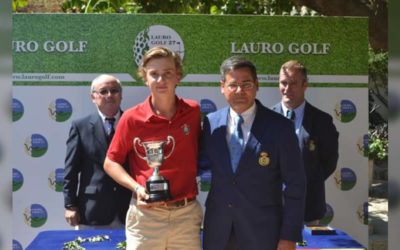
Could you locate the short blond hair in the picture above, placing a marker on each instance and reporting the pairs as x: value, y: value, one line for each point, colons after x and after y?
x: 160, y: 52
x: 294, y: 65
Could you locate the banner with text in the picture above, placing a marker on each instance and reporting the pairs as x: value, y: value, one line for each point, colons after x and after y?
x: 55, y: 57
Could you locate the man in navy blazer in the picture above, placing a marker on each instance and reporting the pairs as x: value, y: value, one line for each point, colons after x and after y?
x: 246, y: 207
x: 318, y: 138
x: 92, y: 199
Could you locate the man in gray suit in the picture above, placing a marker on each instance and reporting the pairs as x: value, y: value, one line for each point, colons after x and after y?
x: 317, y: 135
x: 91, y: 198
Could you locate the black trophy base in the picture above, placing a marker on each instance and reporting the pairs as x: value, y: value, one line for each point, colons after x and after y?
x: 158, y: 191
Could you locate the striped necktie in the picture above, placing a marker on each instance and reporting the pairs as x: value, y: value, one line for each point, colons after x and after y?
x: 110, y: 128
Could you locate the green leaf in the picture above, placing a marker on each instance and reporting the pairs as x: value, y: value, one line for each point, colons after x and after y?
x: 121, y: 245
x: 74, y: 244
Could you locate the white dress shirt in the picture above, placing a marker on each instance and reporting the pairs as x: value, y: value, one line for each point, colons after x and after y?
x: 248, y: 118
x: 103, y: 118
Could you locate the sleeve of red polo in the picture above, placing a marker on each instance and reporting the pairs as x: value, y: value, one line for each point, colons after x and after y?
x: 119, y: 145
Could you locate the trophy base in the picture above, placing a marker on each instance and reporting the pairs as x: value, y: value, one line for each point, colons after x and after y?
x: 158, y: 191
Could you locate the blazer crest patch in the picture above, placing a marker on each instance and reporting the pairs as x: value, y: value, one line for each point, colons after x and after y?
x: 311, y: 146
x: 264, y: 159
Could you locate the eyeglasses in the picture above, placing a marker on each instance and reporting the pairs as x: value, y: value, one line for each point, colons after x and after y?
x: 104, y: 92
x: 244, y: 86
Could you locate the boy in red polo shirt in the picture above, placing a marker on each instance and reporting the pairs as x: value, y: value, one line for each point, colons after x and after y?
x: 173, y: 224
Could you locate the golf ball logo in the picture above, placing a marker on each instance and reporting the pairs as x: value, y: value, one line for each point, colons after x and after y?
x: 345, y: 111
x: 345, y: 179
x: 60, y: 110
x: 206, y: 106
x: 157, y: 35
x: 362, y: 145
x: 328, y: 215
x: 18, y: 180
x: 17, y: 109
x: 362, y: 213
x: 35, y: 215
x: 16, y: 245
x: 56, y: 179
x: 35, y: 145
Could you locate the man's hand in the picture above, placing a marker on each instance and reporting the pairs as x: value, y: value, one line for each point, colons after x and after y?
x: 72, y: 216
x: 142, y: 196
x: 286, y: 245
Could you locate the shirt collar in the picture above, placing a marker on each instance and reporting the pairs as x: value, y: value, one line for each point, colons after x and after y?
x: 103, y: 117
x: 247, y: 115
x: 148, y: 110
x: 298, y: 111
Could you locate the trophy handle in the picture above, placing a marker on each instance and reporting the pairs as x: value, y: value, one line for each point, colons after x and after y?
x: 137, y: 139
x: 169, y: 139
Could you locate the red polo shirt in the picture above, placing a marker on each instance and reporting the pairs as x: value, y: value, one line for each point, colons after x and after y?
x: 141, y: 122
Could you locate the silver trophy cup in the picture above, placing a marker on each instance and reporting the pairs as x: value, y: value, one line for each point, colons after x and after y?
x: 156, y: 186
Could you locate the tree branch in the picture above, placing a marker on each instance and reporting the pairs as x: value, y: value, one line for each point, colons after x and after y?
x: 376, y: 10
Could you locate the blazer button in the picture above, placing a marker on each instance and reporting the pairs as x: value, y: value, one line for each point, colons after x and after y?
x: 233, y: 182
x: 230, y: 205
x: 115, y: 189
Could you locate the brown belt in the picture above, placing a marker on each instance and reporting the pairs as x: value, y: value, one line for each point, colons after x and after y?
x: 180, y: 203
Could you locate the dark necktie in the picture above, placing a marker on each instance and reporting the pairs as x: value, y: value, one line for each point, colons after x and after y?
x: 291, y: 114
x: 110, y: 128
x: 236, y: 143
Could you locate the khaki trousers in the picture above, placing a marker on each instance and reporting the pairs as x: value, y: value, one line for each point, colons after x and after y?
x: 160, y: 228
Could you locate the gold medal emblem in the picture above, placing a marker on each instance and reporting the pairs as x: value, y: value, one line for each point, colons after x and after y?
x: 264, y: 159
x: 312, y: 145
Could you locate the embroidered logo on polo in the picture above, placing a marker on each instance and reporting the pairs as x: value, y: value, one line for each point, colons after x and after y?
x: 60, y: 110
x: 328, y: 216
x: 345, y: 111
x: 56, y: 179
x: 17, y: 109
x: 35, y: 215
x: 185, y: 129
x: 362, y: 213
x: 264, y: 159
x: 18, y: 180
x: 362, y: 145
x: 35, y: 145
x: 345, y: 179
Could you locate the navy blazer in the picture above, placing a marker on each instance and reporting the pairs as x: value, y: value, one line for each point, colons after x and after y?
x: 251, y: 199
x: 99, y: 198
x: 320, y: 155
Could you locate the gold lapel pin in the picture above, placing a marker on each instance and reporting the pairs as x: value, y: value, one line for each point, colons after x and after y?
x: 264, y: 159
x: 312, y: 145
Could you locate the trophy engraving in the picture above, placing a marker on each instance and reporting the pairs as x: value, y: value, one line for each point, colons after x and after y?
x: 156, y: 186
